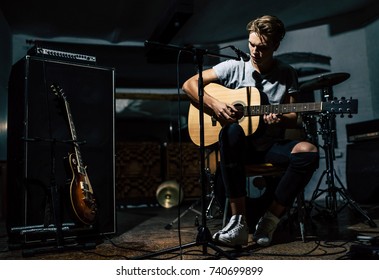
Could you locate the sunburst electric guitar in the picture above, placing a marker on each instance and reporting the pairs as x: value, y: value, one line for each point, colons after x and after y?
x: 81, y: 193
x: 248, y: 103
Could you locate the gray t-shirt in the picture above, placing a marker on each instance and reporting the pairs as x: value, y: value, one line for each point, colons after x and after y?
x: 276, y: 84
x: 281, y: 80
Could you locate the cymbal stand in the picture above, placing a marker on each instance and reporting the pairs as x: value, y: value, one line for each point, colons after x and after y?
x: 332, y: 207
x: 212, y: 197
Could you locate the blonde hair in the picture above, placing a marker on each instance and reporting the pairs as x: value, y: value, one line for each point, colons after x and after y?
x: 268, y: 26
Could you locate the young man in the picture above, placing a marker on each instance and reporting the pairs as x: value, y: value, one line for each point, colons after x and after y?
x: 278, y: 83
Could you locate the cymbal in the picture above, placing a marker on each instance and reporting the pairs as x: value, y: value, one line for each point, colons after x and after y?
x: 169, y: 194
x: 323, y: 81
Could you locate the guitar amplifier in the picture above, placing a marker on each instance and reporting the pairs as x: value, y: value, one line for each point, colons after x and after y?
x: 39, y: 142
x: 49, y: 53
x: 362, y: 171
x: 362, y: 131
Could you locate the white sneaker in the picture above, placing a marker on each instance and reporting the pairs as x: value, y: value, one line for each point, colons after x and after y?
x: 265, y: 229
x: 235, y: 233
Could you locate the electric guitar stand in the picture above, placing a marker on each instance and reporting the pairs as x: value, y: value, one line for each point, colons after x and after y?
x: 52, y: 212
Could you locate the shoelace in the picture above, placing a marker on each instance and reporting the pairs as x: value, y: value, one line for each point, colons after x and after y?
x: 233, y: 230
x: 232, y: 224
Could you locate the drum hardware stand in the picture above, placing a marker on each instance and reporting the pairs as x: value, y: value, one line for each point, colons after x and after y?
x: 57, y: 227
x: 210, y: 195
x: 191, y: 208
x: 203, y: 238
x: 331, y: 203
x: 211, y: 198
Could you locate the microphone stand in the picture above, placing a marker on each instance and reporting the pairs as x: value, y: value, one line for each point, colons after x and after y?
x: 204, y: 237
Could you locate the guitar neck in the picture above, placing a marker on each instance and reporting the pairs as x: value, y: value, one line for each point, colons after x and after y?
x: 81, y: 168
x: 257, y: 110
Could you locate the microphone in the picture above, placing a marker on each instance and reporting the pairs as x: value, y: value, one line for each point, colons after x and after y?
x: 245, y: 57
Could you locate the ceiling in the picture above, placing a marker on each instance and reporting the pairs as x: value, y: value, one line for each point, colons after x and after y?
x: 180, y: 22
x: 116, y: 31
x: 141, y: 38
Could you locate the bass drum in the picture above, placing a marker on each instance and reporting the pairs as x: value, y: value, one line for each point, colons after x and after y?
x: 255, y: 206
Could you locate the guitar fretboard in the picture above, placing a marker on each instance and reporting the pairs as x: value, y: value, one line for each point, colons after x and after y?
x: 282, y: 108
x: 80, y: 165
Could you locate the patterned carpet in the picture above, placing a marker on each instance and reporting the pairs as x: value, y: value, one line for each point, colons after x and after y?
x: 142, y: 234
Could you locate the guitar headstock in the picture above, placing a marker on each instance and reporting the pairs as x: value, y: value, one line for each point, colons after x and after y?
x: 58, y: 91
x: 341, y: 106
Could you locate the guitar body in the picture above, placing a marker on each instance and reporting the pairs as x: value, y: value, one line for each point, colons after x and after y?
x: 81, y: 194
x: 244, y: 96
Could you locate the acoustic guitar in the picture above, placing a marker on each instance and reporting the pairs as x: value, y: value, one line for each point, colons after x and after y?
x: 81, y: 193
x: 248, y: 103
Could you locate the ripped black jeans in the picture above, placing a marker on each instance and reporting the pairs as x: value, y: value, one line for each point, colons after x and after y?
x: 236, y: 152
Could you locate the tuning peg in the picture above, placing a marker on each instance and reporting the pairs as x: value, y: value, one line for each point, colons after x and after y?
x: 350, y: 115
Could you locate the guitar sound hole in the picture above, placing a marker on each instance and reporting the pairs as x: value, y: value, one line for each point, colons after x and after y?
x: 239, y: 113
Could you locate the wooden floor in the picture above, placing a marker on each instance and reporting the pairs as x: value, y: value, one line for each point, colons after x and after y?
x: 152, y: 232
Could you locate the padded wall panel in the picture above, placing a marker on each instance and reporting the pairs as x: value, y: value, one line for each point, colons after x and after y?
x: 141, y: 167
x: 183, y: 165
x: 138, y: 172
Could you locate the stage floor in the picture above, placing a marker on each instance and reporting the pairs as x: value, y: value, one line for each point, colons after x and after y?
x: 153, y: 232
